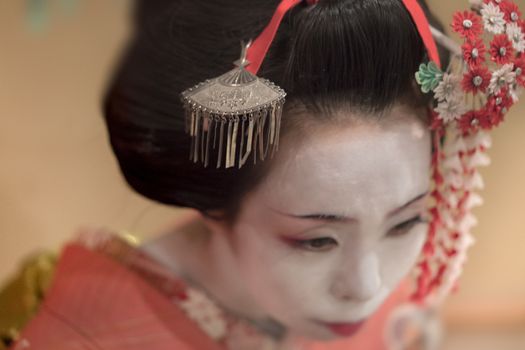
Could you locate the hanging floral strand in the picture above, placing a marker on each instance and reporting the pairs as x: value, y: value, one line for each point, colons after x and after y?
x: 471, y: 98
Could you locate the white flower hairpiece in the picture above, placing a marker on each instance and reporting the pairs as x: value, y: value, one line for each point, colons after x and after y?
x: 492, y: 18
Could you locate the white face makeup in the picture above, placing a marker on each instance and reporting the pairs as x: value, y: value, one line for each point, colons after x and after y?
x: 371, y: 179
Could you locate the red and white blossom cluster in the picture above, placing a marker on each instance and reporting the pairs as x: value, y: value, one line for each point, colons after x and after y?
x: 472, y: 97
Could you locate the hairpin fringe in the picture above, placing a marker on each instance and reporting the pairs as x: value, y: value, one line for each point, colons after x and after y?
x: 254, y: 133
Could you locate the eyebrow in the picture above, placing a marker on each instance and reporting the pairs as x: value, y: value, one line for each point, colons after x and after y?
x: 340, y: 218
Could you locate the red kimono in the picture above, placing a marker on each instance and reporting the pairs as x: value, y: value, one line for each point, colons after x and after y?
x: 108, y: 295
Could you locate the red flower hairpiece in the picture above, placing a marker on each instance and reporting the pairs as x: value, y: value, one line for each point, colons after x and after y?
x: 501, y: 50
x: 476, y: 80
x: 474, y: 52
x: 472, y: 96
x: 510, y: 10
x: 467, y: 24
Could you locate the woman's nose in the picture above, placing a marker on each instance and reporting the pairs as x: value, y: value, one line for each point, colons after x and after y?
x: 359, y: 280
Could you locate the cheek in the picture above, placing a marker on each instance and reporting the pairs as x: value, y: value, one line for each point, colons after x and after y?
x: 399, y: 255
x: 280, y: 278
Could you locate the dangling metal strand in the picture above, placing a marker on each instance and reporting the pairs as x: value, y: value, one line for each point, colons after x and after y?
x: 204, y: 129
x: 249, y: 140
x: 228, y: 144
x: 211, y: 126
x: 234, y: 141
x: 196, y: 136
x: 221, y: 139
x: 243, y: 135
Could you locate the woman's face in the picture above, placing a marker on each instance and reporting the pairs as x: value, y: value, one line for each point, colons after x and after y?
x: 337, y: 223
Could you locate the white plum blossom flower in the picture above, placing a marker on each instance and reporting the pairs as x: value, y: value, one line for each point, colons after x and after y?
x: 473, y: 200
x: 450, y: 110
x: 479, y: 159
x: 454, y: 179
x: 479, y: 139
x: 501, y: 78
x: 516, y: 36
x: 203, y: 310
x: 493, y: 18
x: 449, y: 88
x: 467, y: 223
x: 515, y: 93
x: 453, y: 162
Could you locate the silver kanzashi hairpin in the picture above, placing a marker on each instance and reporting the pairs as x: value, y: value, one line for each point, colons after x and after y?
x: 233, y: 116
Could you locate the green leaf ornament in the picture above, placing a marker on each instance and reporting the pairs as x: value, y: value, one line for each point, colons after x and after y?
x: 429, y: 76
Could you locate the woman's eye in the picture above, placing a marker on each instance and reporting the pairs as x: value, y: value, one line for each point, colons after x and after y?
x: 316, y: 244
x: 406, y: 226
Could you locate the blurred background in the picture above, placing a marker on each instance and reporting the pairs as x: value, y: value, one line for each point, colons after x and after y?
x: 58, y: 173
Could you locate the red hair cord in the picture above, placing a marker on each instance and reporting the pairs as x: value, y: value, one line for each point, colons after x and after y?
x: 259, y: 48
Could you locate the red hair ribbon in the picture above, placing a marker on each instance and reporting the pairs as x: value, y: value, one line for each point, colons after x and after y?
x: 423, y: 27
x: 259, y: 48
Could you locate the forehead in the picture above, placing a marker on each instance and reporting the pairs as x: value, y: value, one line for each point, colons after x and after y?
x: 350, y: 169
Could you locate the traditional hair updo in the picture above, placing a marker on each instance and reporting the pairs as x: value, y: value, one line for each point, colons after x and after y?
x: 354, y: 54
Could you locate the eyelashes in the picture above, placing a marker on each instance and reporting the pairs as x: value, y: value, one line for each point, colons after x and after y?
x: 405, y: 226
x: 321, y: 244
x: 315, y: 244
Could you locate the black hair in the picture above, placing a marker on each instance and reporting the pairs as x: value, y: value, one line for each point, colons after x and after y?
x: 359, y: 54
